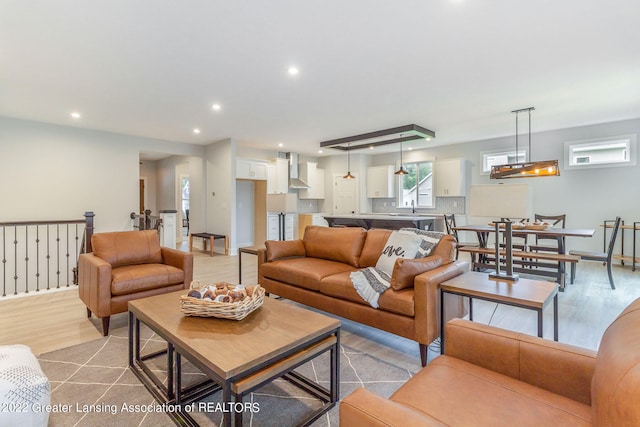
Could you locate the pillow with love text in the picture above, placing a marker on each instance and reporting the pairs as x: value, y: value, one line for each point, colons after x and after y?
x: 399, y: 245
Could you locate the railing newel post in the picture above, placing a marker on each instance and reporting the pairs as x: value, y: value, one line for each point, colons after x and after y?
x: 88, y: 227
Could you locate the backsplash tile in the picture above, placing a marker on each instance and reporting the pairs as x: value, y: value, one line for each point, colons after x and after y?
x: 444, y: 205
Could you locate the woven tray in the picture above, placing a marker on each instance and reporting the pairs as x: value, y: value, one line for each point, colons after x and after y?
x: 233, y: 310
x: 537, y: 226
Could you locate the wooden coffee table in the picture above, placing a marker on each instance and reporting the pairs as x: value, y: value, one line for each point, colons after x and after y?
x: 236, y: 356
x: 524, y: 293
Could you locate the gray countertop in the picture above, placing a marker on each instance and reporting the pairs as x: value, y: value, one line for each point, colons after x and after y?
x: 398, y: 217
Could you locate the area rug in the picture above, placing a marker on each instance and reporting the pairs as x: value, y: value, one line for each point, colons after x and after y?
x: 91, y: 385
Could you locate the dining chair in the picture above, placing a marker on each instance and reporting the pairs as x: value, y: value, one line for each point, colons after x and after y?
x: 556, y: 221
x: 450, y: 225
x: 605, y: 257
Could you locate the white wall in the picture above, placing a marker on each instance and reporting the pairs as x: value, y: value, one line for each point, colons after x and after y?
x: 59, y: 172
x: 54, y: 172
x: 245, y: 209
x: 221, y: 191
x: 167, y: 178
x: 197, y: 202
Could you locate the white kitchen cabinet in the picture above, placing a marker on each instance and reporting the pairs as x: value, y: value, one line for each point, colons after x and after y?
x: 449, y: 178
x: 314, y: 177
x: 277, y: 172
x: 251, y: 169
x: 381, y: 183
x: 289, y: 226
x: 271, y: 178
x: 273, y: 227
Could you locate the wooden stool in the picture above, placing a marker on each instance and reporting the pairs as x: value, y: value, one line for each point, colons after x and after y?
x: 211, y: 238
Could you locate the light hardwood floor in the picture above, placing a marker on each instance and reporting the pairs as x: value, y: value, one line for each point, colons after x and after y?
x: 47, y: 322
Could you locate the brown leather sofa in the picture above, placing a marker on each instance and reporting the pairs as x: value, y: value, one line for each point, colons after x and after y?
x: 493, y: 377
x: 315, y: 271
x: 127, y: 265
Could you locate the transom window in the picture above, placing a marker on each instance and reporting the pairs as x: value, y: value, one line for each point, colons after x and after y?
x: 416, y: 186
x: 601, y: 152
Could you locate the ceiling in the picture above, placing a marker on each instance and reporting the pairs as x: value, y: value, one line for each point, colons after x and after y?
x: 154, y: 68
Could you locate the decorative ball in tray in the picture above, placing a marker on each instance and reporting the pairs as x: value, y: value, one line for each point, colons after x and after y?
x: 222, y: 300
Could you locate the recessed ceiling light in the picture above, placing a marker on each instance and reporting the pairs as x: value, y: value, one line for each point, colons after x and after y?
x: 280, y: 144
x: 319, y: 151
x: 293, y: 71
x: 75, y: 115
x: 371, y: 147
x: 410, y: 148
x: 216, y: 107
x: 196, y: 131
x: 428, y: 139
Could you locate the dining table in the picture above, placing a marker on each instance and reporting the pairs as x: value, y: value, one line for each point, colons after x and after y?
x: 530, y: 266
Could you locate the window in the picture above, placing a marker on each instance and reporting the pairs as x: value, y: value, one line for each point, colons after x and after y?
x: 600, y: 152
x: 184, y: 191
x: 504, y: 157
x: 416, y: 186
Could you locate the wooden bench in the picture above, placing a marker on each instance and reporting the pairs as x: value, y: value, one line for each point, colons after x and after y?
x: 527, y: 260
x: 210, y: 237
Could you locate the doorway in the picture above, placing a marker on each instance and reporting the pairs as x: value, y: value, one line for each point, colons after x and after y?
x: 251, y: 211
x: 345, y: 195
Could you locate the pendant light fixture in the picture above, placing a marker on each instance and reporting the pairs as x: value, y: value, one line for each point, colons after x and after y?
x: 401, y: 171
x: 348, y: 175
x: 528, y: 169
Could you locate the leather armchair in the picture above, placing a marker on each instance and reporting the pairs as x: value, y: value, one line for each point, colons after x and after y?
x: 493, y: 377
x: 128, y: 265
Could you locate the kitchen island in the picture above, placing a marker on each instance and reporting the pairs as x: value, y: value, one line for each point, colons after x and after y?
x: 386, y: 221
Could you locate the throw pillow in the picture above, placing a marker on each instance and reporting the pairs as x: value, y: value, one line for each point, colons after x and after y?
x: 277, y: 249
x: 399, y: 245
x: 406, y: 270
x: 430, y: 240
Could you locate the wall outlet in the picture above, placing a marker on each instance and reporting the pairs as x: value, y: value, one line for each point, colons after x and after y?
x: 393, y: 204
x: 455, y: 204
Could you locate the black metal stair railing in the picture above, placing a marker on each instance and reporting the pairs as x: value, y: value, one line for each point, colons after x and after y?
x: 51, y: 250
x: 146, y: 221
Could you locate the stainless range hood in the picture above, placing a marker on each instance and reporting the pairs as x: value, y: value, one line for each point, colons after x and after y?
x: 294, y: 178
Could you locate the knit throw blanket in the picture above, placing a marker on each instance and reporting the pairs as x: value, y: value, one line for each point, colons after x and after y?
x: 371, y: 282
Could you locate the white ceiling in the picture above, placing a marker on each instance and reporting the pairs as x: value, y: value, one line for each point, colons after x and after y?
x: 153, y: 68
